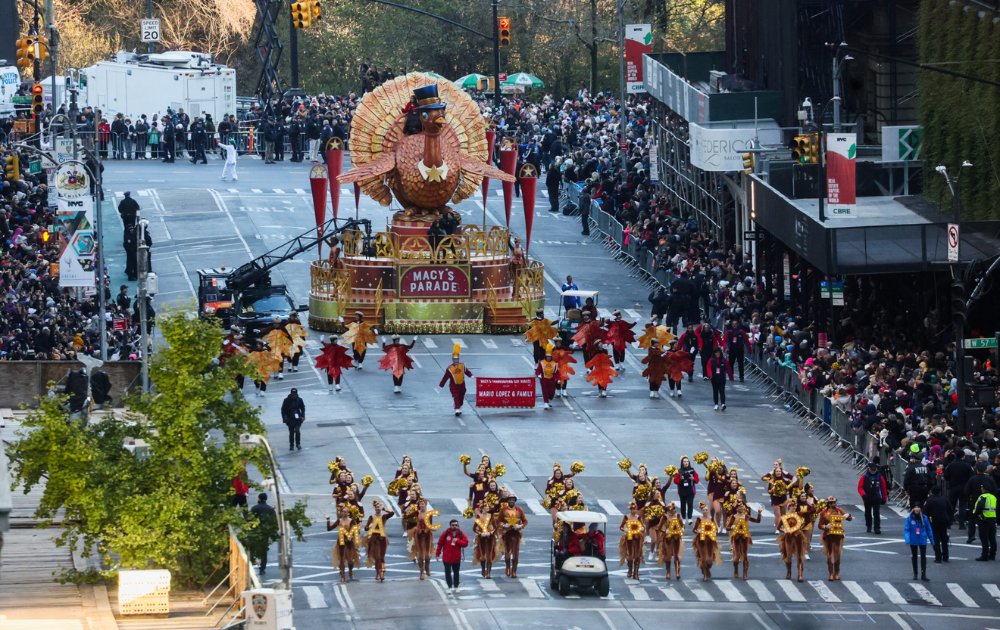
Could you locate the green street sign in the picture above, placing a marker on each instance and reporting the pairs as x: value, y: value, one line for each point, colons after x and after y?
x: 20, y: 99
x: 980, y: 343
x: 35, y: 167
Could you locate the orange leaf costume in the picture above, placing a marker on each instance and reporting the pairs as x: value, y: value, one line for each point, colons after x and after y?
x: 298, y: 334
x: 359, y: 334
x: 602, y: 372
x: 280, y: 343
x: 396, y: 359
x: 264, y: 363
x: 677, y: 363
x: 334, y: 359
x: 541, y: 330
x: 656, y: 366
x: 659, y: 332
x: 587, y: 334
x: 564, y: 358
x: 619, y: 334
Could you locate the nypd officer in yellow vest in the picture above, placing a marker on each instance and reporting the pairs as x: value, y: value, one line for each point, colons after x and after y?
x: 986, y: 511
x: 456, y: 373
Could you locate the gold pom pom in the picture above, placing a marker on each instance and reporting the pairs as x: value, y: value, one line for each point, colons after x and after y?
x: 367, y: 480
x: 642, y: 492
x: 355, y: 512
x: 547, y: 503
x: 821, y: 505
x: 578, y: 508
x: 654, y: 512
x: 491, y: 500
x: 465, y: 459
x: 779, y: 488
x: 500, y: 470
x: 467, y: 512
x: 571, y: 494
x: 802, y: 472
x: 334, y: 467
x: 556, y: 490
x: 670, y: 471
x: 576, y: 468
x: 700, y: 458
x: 394, y: 486
x: 625, y: 464
x: 796, y: 491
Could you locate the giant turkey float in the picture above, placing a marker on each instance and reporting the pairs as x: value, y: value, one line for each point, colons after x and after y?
x: 421, y: 142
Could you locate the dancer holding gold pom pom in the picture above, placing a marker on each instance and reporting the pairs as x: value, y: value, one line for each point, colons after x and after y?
x: 671, y: 528
x: 633, y: 541
x: 738, y: 526
x: 706, y: 546
x: 831, y: 523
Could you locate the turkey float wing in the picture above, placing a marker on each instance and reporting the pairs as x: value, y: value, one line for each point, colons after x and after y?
x: 378, y: 166
x: 473, y: 165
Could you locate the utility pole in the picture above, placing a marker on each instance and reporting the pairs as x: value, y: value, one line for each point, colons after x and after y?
x: 954, y: 185
x: 293, y: 45
x: 622, y: 146
x: 149, y: 13
x: 821, y: 149
x: 838, y: 67
x: 496, y: 61
x: 143, y: 268
x: 50, y: 20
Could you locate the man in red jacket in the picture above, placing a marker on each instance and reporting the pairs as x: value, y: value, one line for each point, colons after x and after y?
x: 450, y: 544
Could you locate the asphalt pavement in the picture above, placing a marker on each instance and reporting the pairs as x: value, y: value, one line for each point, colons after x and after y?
x: 198, y: 221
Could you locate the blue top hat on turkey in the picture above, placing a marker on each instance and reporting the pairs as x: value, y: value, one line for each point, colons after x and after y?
x: 427, y: 97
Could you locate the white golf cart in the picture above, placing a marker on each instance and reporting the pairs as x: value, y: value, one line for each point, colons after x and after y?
x: 574, y: 558
x: 567, y: 323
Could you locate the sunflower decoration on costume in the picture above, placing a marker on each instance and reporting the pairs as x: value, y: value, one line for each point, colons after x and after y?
x: 465, y: 459
x: 576, y: 468
x: 670, y: 471
x: 625, y: 464
x: 355, y: 513
x: 654, y: 512
x: 467, y: 513
x: 778, y: 488
x: 642, y: 492
x: 367, y: 480
x: 700, y: 458
x: 500, y: 470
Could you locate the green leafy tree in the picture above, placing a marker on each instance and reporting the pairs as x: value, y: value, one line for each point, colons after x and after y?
x: 171, y: 509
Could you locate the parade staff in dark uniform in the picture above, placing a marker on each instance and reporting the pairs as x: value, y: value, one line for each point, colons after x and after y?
x: 295, y: 131
x: 293, y: 414
x: 736, y: 341
x: 455, y: 375
x: 199, y: 139
x: 128, y: 208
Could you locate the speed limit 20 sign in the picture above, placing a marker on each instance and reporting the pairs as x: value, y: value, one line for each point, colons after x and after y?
x: 151, y: 30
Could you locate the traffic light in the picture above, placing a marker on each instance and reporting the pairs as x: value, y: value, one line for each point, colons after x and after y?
x: 958, y: 303
x: 13, y: 168
x: 504, y: 25
x: 37, y: 99
x: 748, y: 164
x: 316, y: 11
x: 301, y: 14
x: 805, y: 148
x: 26, y: 52
x: 41, y: 48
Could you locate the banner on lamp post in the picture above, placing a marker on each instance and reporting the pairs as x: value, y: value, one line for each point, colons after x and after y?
x: 77, y: 242
x: 529, y: 184
x: 841, y: 151
x: 638, y: 42
x: 335, y: 165
x: 318, y: 182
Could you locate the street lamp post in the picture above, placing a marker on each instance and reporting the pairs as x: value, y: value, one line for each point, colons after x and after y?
x: 621, y: 71
x: 822, y: 158
x: 249, y: 440
x: 143, y: 268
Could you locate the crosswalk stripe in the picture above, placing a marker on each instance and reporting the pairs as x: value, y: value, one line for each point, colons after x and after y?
x: 858, y: 592
x: 233, y: 190
x: 500, y: 193
x: 671, y: 593
x: 962, y: 596
x: 315, y: 597
x: 256, y: 190
x: 536, y: 507
x: 993, y: 590
x: 545, y: 194
x: 488, y: 586
x: 346, y: 191
x: 279, y: 191
x: 633, y: 313
x: 891, y: 592
x: 460, y: 504
x: 143, y: 193
x: 699, y: 592
x: 639, y: 594
x: 758, y: 587
x: 603, y: 312
x: 551, y: 312
x: 791, y: 590
x: 730, y: 591
x: 517, y: 343
x: 532, y: 588
x: 824, y: 591
x: 608, y: 507
x: 299, y: 191
x: 926, y: 595
x: 460, y: 342
x: 489, y: 343
x: 429, y: 343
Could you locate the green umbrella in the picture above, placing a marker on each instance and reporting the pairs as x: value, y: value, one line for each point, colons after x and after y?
x: 470, y: 81
x: 434, y: 75
x: 523, y: 79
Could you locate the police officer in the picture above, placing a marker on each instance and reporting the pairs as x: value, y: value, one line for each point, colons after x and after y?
x: 295, y: 134
x: 128, y: 208
x: 917, y: 479
x: 169, y: 140
x: 199, y: 139
x: 131, y: 249
x: 985, y: 510
x: 293, y: 414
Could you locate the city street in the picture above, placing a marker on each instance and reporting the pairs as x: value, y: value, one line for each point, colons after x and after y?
x: 198, y: 221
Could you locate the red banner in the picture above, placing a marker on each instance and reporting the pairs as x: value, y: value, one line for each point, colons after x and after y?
x: 508, y: 162
x: 491, y: 138
x: 529, y: 184
x: 505, y: 392
x: 357, y: 198
x: 335, y: 163
x: 434, y: 281
x: 317, y: 182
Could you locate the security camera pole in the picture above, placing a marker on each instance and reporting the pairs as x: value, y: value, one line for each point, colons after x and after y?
x: 143, y: 263
x: 250, y: 440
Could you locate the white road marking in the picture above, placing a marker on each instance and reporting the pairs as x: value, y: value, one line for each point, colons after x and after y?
x: 279, y: 191
x: 671, y: 593
x: 347, y: 596
x: 528, y: 361
x: 791, y: 591
x: 371, y: 464
x: 488, y: 586
x: 346, y: 191
x: 233, y: 190
x: 517, y: 343
x: 758, y: 587
x: 315, y: 597
x: 500, y: 193
x: 532, y: 588
x: 858, y: 592
x: 633, y: 313
x: 143, y: 193
x: 639, y: 594
x: 609, y: 507
x: 340, y: 598
x: 699, y: 592
x: 460, y: 504
x: 962, y: 596
x: 545, y: 194
x: 460, y: 342
x: 536, y: 506
x: 729, y: 590
x: 993, y: 590
x: 824, y: 591
x: 429, y: 343
x: 299, y: 191
x: 925, y: 594
x: 256, y: 190
x: 222, y: 206
x: 891, y: 592
x: 677, y: 406
x: 489, y: 343
x: 186, y: 276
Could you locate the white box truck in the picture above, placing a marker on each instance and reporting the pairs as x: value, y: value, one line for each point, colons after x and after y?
x: 10, y: 81
x: 136, y: 84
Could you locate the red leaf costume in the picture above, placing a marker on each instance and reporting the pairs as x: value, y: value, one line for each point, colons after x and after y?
x: 396, y: 359
x: 677, y: 363
x: 619, y: 334
x: 589, y: 333
x: 603, y: 371
x: 564, y: 358
x: 656, y: 366
x: 334, y: 359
